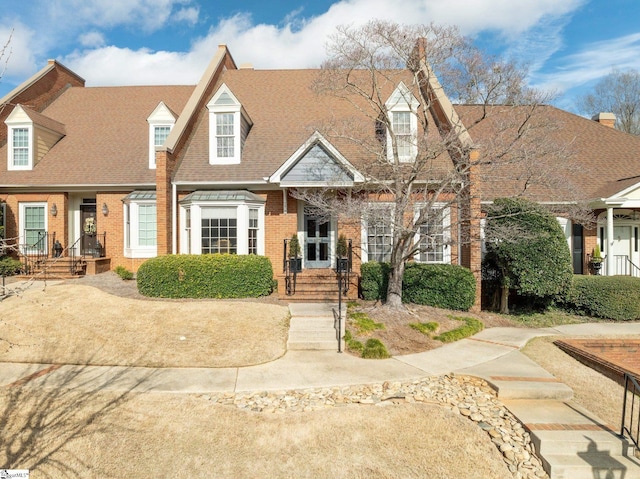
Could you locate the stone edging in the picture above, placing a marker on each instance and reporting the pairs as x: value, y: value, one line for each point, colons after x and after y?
x: 465, y: 395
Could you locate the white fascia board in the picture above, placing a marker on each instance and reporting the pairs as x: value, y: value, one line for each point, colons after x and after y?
x: 314, y: 139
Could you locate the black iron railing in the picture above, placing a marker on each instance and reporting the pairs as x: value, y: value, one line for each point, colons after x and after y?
x: 78, y: 254
x: 631, y: 410
x: 291, y: 266
x: 624, y: 266
x: 35, y: 254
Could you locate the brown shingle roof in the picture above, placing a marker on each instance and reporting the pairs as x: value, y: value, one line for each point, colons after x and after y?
x: 601, y: 156
x: 107, y: 139
x: 285, y: 112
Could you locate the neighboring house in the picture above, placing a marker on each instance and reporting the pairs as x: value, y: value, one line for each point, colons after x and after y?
x: 117, y: 175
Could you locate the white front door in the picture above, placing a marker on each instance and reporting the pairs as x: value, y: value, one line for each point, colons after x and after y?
x: 620, y: 252
x: 317, y: 239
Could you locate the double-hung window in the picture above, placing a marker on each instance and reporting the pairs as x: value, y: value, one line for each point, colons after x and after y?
x: 140, y: 224
x: 402, y: 124
x: 433, y: 242
x: 20, y: 146
x: 379, y: 235
x: 229, y: 126
x: 33, y: 219
x: 225, y: 136
x: 161, y: 122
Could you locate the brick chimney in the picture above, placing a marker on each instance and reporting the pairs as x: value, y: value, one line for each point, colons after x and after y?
x: 606, y: 119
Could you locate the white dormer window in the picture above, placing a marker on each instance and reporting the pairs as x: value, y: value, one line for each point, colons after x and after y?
x: 229, y: 125
x: 19, y: 140
x: 161, y: 122
x: 20, y: 146
x: 402, y: 106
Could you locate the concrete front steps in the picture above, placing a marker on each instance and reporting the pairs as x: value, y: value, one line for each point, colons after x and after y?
x: 571, y: 442
x: 312, y: 327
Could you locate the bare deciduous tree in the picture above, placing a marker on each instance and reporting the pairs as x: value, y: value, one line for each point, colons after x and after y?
x: 618, y: 93
x: 418, y: 173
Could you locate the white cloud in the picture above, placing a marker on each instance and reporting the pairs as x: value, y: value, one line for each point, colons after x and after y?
x: 148, y: 15
x: 296, y: 42
x: 593, y: 62
x: 92, y: 39
x: 188, y: 15
x: 19, y: 60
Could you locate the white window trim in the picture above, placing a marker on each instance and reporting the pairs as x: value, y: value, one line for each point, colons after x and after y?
x: 446, y: 234
x: 161, y: 116
x: 402, y: 100
x: 132, y: 248
x: 10, y: 160
x: 21, y: 222
x: 242, y: 218
x: 236, y: 110
x: 364, y: 231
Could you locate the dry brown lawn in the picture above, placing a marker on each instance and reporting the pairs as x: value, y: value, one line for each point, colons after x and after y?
x: 159, y: 435
x: 593, y: 391
x: 78, y: 324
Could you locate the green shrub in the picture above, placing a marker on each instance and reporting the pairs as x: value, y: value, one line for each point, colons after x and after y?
x: 440, y: 285
x: 374, y: 349
x: 471, y: 327
x: 425, y: 328
x: 446, y: 286
x: 206, y: 276
x: 9, y: 266
x: 123, y: 272
x: 609, y: 297
x: 374, y: 281
x: 526, y: 252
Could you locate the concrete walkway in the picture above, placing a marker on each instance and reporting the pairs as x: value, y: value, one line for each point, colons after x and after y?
x: 539, y: 400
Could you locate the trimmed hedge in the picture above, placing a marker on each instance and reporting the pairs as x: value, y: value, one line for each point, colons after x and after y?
x: 609, y: 297
x: 206, y: 276
x: 9, y: 266
x: 440, y: 285
x: 374, y: 281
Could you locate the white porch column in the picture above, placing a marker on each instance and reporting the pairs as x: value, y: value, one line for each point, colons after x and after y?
x: 609, y: 244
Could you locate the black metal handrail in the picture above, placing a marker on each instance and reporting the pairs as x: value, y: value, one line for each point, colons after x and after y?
x: 337, y: 325
x: 79, y: 256
x: 34, y: 254
x: 631, y: 422
x: 290, y: 267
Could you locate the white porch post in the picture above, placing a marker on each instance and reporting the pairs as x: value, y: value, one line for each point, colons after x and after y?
x: 609, y: 244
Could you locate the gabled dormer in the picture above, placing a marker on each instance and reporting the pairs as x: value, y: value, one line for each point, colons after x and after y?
x: 229, y: 125
x: 161, y: 122
x: 30, y: 136
x: 402, y: 107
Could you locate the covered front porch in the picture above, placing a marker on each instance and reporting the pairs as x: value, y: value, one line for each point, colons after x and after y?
x: 618, y: 230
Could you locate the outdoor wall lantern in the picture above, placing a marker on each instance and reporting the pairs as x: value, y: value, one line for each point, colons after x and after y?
x: 54, y: 210
x: 105, y: 209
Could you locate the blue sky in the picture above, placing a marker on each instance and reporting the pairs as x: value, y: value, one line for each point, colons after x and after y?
x: 569, y: 44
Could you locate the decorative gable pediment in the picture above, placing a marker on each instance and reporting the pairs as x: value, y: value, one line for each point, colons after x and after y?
x: 402, y: 98
x: 316, y: 163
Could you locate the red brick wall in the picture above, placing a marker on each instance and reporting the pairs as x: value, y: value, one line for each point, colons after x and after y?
x: 41, y: 93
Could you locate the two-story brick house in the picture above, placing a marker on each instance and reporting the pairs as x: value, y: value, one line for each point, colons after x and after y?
x: 120, y: 174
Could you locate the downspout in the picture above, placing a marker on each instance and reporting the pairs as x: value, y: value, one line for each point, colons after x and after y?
x: 174, y: 218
